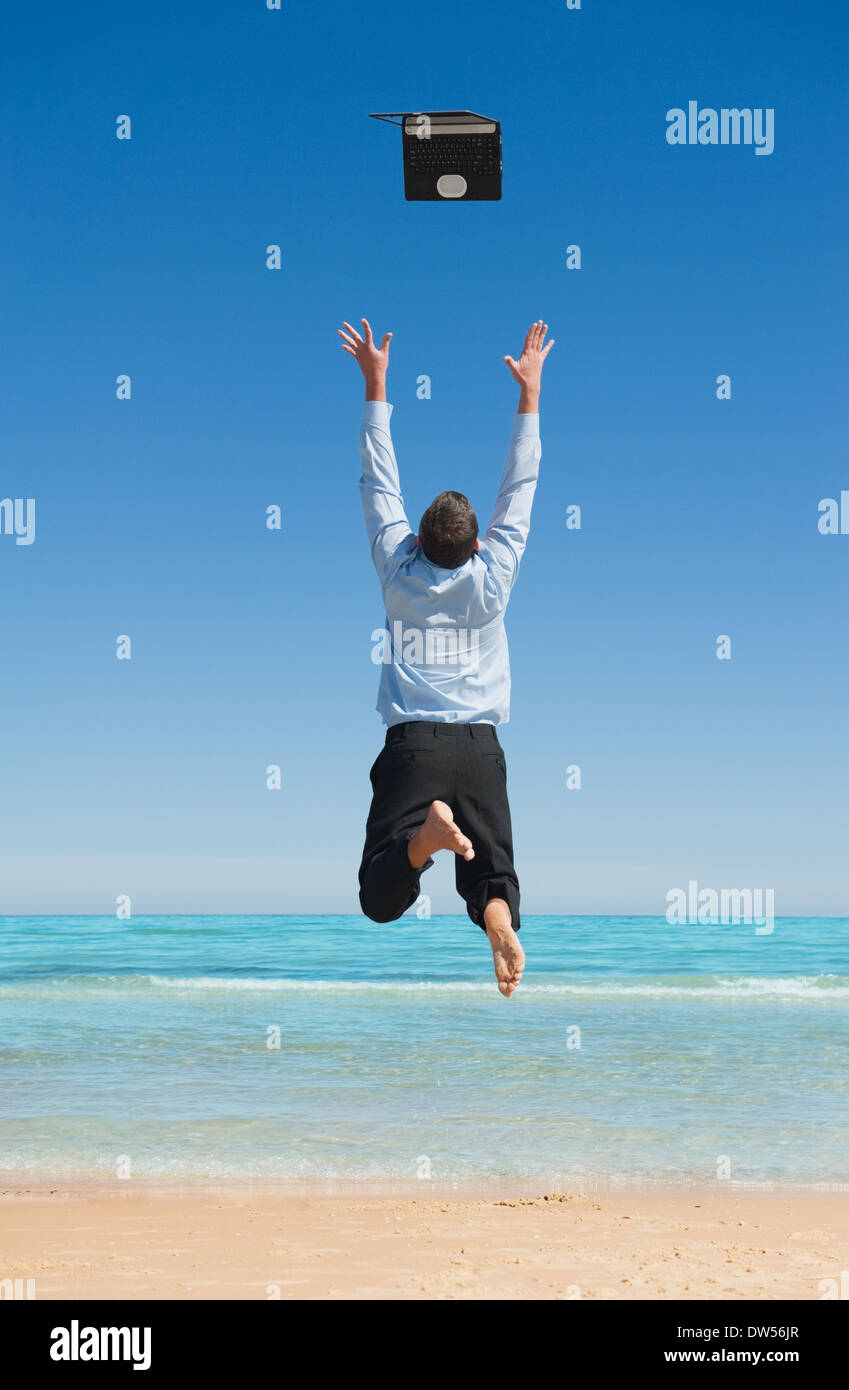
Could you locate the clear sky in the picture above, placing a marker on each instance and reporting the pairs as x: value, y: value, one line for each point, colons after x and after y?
x: 249, y: 647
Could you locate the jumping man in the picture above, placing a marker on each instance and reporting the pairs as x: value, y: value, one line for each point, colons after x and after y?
x: 440, y: 782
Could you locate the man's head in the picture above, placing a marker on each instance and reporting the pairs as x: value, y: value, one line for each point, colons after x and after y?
x: 448, y: 532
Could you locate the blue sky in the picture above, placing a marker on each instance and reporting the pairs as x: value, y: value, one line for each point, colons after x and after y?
x: 700, y: 516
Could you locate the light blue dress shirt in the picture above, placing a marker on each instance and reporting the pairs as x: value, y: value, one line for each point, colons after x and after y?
x: 443, y: 653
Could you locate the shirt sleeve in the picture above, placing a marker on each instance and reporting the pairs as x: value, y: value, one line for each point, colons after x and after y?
x: 380, y: 489
x: 508, y: 530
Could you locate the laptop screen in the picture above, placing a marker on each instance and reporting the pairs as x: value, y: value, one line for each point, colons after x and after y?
x: 448, y: 123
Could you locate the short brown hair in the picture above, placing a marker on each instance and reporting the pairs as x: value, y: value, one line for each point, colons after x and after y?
x: 448, y: 530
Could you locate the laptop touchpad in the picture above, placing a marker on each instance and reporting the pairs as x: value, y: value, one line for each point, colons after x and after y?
x: 451, y: 186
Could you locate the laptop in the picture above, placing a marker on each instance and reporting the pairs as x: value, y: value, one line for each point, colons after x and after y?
x: 449, y: 156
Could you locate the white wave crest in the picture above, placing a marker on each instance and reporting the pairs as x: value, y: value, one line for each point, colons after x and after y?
x: 820, y: 988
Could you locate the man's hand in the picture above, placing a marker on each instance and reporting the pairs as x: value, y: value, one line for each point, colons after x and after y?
x: 528, y: 370
x: 373, y: 361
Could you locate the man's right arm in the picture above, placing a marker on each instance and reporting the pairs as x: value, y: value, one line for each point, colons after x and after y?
x: 507, y: 535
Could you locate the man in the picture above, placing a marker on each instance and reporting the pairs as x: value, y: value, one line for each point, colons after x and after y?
x: 440, y: 782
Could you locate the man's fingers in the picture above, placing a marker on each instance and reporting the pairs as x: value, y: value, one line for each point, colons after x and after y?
x: 547, y: 349
x: 529, y: 337
x: 510, y: 363
x: 353, y: 332
x: 346, y: 336
x: 542, y: 332
x: 345, y: 348
x: 367, y: 327
x: 386, y: 340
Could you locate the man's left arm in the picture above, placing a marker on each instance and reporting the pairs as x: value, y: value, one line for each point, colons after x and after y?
x: 380, y: 487
x: 380, y: 490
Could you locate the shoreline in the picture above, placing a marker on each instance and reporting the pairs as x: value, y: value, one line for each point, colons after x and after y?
x: 224, y: 1240
x: 407, y: 1189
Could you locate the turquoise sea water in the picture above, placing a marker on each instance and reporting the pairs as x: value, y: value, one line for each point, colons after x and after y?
x: 701, y: 1049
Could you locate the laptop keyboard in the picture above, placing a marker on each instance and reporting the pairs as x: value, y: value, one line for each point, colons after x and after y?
x: 454, y: 154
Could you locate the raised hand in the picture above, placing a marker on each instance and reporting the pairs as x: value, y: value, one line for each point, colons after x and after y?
x: 373, y: 360
x: 528, y: 370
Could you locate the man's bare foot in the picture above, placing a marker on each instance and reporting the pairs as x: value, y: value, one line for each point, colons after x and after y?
x: 438, y: 832
x: 507, y: 954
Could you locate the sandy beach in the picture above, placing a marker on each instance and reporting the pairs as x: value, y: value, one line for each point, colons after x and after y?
x: 251, y: 1243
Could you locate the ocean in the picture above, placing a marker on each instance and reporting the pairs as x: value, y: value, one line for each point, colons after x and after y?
x: 331, y: 1049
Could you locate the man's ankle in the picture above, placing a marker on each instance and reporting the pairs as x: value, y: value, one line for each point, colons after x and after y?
x: 497, y: 915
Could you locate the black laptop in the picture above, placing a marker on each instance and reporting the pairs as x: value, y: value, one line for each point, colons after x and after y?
x: 449, y: 156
